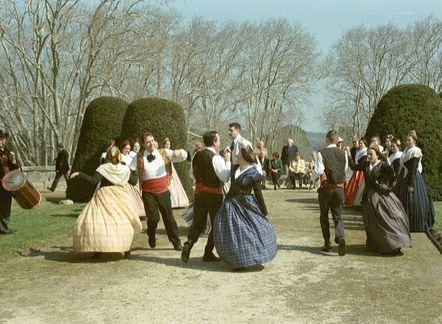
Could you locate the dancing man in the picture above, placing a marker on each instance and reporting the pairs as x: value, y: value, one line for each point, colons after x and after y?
x: 154, y: 169
x: 209, y: 170
x: 330, y: 167
x: 7, y: 163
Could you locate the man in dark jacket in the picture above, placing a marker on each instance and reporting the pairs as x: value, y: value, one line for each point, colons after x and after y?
x: 7, y: 164
x: 61, y: 167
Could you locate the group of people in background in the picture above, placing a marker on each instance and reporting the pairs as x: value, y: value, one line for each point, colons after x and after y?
x: 289, y: 163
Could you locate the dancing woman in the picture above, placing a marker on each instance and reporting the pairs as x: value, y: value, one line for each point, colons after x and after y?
x: 411, y: 188
x: 395, y: 156
x: 135, y: 200
x: 353, y: 188
x: 385, y: 220
x: 108, y: 222
x: 242, y: 233
x: 178, y: 196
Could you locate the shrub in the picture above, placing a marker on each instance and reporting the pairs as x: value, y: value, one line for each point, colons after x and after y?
x: 102, y: 121
x: 162, y: 118
x: 417, y: 107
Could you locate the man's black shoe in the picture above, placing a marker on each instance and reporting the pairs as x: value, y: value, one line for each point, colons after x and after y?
x: 8, y: 231
x: 50, y: 189
x: 177, y: 246
x: 341, y: 248
x: 326, y: 247
x: 152, y: 241
x: 210, y: 257
x: 185, y: 253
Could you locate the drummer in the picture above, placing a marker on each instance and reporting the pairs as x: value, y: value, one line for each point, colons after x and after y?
x: 7, y: 163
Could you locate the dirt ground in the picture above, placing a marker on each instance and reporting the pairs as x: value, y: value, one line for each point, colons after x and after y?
x: 302, y: 284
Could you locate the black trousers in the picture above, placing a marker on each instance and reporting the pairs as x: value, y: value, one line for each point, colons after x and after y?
x: 296, y: 176
x: 204, y: 203
x: 58, y: 175
x: 275, y: 177
x: 331, y: 199
x: 5, y: 209
x: 154, y: 204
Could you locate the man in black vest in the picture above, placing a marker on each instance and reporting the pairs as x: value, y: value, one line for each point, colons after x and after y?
x: 61, y: 167
x: 330, y: 167
x: 209, y: 170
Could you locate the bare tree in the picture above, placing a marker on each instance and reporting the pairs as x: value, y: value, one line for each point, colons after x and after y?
x: 425, y: 41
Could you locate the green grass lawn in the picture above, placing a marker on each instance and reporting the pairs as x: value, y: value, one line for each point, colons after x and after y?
x: 438, y: 208
x: 38, y: 227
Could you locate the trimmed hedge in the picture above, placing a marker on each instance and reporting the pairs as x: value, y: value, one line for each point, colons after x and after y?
x: 162, y: 118
x: 417, y: 107
x: 102, y: 121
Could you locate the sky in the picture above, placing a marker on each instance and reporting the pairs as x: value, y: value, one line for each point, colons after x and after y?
x: 326, y: 20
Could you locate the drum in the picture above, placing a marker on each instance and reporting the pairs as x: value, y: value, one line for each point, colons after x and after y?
x: 21, y: 189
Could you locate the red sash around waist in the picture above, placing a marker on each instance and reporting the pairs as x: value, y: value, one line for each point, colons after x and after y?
x: 157, y: 185
x: 330, y: 185
x: 199, y: 187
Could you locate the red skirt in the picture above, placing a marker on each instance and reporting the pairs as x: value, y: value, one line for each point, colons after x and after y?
x: 352, y: 187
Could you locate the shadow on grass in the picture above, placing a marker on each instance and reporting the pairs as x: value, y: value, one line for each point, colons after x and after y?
x: 74, y: 215
x: 194, y: 263
x: 354, y: 249
x: 311, y: 201
x: 66, y: 254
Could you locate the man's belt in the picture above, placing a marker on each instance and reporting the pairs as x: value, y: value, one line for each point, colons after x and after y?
x: 331, y: 185
x: 199, y: 187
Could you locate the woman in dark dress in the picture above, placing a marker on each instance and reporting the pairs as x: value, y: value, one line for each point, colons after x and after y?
x: 411, y: 188
x: 242, y: 233
x: 395, y: 156
x: 385, y: 220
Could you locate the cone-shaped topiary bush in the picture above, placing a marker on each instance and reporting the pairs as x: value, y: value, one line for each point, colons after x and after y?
x: 102, y: 121
x: 417, y: 107
x: 162, y: 118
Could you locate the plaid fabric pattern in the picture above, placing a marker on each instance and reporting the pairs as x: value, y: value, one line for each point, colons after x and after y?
x: 243, y: 235
x: 107, y: 223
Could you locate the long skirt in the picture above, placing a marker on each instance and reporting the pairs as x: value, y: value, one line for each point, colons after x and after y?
x: 178, y: 196
x: 417, y: 204
x: 135, y: 199
x: 107, y: 223
x: 352, y: 187
x: 386, y: 222
x: 243, y: 236
x: 358, y: 197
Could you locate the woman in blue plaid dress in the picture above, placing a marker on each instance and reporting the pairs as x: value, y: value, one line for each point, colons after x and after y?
x: 243, y: 235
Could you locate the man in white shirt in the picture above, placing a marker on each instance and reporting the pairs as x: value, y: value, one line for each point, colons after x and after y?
x: 239, y: 142
x: 210, y: 171
x: 155, y: 169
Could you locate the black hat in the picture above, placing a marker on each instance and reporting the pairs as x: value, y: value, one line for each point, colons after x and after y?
x: 3, y: 135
